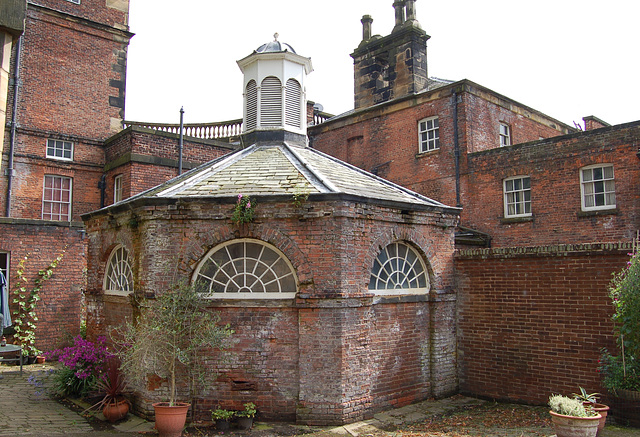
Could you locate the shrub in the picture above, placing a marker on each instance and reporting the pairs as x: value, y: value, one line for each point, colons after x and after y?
x: 82, y: 364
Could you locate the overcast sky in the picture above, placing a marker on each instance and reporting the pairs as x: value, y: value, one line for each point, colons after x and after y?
x: 566, y: 58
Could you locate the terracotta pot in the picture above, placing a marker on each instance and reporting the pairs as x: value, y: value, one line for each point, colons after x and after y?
x: 570, y: 426
x: 40, y: 359
x: 116, y: 411
x: 170, y: 420
x: 602, y: 410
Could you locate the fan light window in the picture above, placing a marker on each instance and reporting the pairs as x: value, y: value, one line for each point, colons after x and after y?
x: 119, y: 276
x: 399, y: 269
x: 245, y: 269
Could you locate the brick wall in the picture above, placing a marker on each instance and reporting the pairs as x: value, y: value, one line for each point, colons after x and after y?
x: 62, y: 302
x: 146, y: 158
x: 553, y: 166
x: 330, y: 355
x: 532, y: 321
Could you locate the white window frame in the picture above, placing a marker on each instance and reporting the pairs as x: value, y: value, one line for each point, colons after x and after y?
x: 428, y: 134
x: 591, y: 189
x: 396, y: 266
x: 245, y: 271
x: 516, y: 195
x: 74, y: 1
x: 118, y: 274
x: 60, y: 148
x: 55, y: 198
x: 505, y: 135
x: 117, y: 189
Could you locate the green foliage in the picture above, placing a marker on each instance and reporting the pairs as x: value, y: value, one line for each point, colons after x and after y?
x: 244, y: 211
x: 299, y: 198
x: 625, y: 296
x: 171, y: 338
x: 249, y: 410
x: 220, y: 414
x: 66, y: 383
x: 623, y: 371
x: 583, y: 396
x: 569, y: 407
x: 26, y: 298
x: 618, y: 373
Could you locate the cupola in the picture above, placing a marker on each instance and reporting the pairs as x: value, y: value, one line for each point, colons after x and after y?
x: 274, y: 94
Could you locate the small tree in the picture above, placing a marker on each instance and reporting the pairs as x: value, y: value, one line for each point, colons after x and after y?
x: 170, y: 339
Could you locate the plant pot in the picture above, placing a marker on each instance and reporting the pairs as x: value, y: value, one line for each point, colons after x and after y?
x: 223, y: 424
x: 31, y: 359
x: 40, y: 359
x: 170, y: 420
x: 570, y: 426
x: 116, y: 410
x: 624, y: 411
x: 628, y: 395
x: 244, y: 422
x: 602, y: 410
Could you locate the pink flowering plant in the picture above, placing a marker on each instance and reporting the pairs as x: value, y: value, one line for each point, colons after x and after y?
x: 622, y: 371
x: 243, y: 211
x: 83, y: 364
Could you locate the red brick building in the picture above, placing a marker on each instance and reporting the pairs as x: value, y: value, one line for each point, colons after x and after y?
x: 558, y: 207
x: 547, y: 213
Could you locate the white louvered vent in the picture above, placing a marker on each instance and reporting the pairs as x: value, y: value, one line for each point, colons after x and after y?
x: 271, y: 102
x: 293, y: 104
x: 252, y: 105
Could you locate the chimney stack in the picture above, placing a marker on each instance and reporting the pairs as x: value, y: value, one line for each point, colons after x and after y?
x: 366, y: 27
x: 398, y: 5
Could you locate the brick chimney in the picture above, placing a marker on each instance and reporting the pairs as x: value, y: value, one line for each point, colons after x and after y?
x: 394, y: 66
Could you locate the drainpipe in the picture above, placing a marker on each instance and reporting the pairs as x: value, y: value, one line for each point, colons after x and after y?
x: 103, y: 186
x: 12, y: 134
x: 456, y: 146
x: 181, y: 141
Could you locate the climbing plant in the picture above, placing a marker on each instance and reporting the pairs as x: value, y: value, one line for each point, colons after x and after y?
x: 26, y: 298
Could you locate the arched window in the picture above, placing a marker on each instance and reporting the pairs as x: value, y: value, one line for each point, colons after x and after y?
x: 399, y: 269
x: 271, y: 102
x: 245, y: 269
x: 252, y: 105
x: 118, y: 278
x: 293, y: 104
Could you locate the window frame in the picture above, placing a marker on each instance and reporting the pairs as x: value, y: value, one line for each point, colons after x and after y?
x: 504, y: 134
x: 54, y: 202
x: 122, y: 262
x: 518, y: 202
x: 117, y: 188
x: 63, y: 149
x: 426, y: 142
x: 387, y: 261
x: 605, y: 193
x: 259, y: 295
x: 4, y: 268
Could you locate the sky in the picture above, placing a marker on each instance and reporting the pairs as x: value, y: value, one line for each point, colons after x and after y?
x: 566, y: 58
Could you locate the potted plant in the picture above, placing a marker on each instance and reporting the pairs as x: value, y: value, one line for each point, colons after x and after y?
x: 571, y: 418
x: 111, y: 384
x: 621, y: 371
x: 222, y: 418
x: 167, y: 340
x: 245, y: 417
x: 591, y: 400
